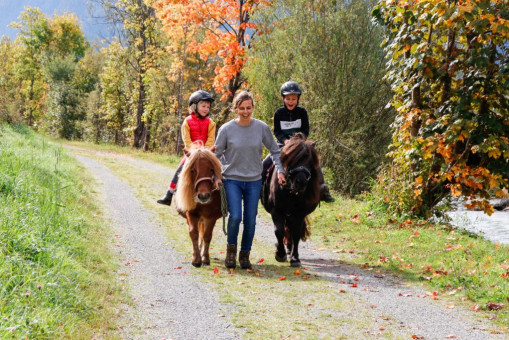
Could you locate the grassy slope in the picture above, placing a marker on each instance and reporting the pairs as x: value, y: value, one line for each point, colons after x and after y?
x: 457, y: 265
x: 54, y: 280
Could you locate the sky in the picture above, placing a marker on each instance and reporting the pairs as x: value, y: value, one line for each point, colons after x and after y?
x: 10, y: 10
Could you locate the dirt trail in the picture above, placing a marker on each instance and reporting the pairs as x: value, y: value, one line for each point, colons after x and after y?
x: 175, y: 305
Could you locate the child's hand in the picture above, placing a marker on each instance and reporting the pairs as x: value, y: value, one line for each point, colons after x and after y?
x: 213, y: 148
x: 286, y: 141
x: 281, y: 178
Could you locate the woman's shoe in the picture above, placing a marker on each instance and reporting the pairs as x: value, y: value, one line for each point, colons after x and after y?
x: 231, y: 256
x: 244, y: 260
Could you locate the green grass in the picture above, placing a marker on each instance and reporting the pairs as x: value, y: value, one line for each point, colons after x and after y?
x: 54, y: 280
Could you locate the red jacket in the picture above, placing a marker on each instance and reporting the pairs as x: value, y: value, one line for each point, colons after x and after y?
x: 198, y: 129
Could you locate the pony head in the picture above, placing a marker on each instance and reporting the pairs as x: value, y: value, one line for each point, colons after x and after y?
x: 196, y: 181
x: 302, y: 167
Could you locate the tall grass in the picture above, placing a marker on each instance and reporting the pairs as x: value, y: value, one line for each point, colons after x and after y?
x: 51, y: 266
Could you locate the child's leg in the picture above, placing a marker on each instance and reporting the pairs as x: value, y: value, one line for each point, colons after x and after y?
x: 324, y: 190
x: 175, y: 179
x: 267, y: 162
x: 166, y: 199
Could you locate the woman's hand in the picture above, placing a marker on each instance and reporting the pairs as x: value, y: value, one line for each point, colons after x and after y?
x: 281, y: 178
x: 217, y: 180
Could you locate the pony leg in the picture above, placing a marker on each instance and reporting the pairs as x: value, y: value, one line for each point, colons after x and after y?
x: 296, y: 232
x: 193, y: 221
x: 208, y: 226
x: 279, y: 230
x: 288, y: 241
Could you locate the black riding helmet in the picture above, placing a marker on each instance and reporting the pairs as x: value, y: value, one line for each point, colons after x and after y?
x: 199, y: 96
x: 290, y: 87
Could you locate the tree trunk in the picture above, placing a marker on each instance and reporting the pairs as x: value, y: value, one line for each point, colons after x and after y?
x: 139, y: 131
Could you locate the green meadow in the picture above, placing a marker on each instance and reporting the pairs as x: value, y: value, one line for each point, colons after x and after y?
x: 55, y: 276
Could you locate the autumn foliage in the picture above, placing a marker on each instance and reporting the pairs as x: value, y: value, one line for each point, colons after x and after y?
x: 448, y: 64
x: 222, y: 29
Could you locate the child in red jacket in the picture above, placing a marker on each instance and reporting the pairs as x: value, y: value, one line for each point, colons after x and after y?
x: 196, y: 127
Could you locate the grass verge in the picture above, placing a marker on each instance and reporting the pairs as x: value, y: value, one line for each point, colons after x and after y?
x: 54, y: 266
x: 448, y: 261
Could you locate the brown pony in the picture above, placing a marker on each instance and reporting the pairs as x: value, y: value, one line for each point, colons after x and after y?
x: 198, y: 200
x: 290, y: 204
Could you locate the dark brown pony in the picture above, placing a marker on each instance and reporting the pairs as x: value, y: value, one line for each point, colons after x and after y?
x: 290, y: 204
x: 198, y: 200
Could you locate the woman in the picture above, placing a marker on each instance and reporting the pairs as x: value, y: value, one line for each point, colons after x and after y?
x: 239, y: 146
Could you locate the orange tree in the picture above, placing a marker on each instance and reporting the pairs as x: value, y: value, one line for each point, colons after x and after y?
x: 214, y: 29
x: 449, y: 68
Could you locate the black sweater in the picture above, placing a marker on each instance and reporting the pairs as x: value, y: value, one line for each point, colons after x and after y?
x: 287, y: 122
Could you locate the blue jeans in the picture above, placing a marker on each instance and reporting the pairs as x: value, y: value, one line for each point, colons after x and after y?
x: 236, y: 192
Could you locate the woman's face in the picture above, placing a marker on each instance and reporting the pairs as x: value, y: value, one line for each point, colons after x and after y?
x: 244, y: 110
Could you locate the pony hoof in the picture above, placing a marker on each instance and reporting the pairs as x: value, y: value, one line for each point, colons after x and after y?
x: 196, y: 264
x: 206, y: 263
x: 281, y: 258
x: 295, y: 263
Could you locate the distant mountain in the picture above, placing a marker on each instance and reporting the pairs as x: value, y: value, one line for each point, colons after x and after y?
x: 94, y: 28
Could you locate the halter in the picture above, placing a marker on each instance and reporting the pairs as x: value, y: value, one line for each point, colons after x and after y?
x: 300, y: 168
x: 210, y: 179
x: 289, y: 174
x: 224, y: 203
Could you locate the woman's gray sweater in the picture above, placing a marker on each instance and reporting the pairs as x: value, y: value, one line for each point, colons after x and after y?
x: 239, y: 148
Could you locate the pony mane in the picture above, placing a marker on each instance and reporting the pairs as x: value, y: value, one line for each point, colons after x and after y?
x: 185, y: 195
x: 299, y: 151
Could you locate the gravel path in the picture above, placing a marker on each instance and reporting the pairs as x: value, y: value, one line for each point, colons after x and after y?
x: 167, y: 303
x: 175, y: 305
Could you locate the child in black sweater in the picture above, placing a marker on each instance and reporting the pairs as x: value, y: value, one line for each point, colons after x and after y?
x: 290, y: 119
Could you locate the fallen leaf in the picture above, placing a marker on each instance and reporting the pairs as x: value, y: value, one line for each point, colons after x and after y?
x: 261, y: 260
x: 177, y: 268
x: 354, y: 285
x: 450, y: 336
x: 494, y: 306
x: 216, y: 270
x: 297, y: 272
x: 282, y: 278
x: 417, y: 337
x: 342, y: 291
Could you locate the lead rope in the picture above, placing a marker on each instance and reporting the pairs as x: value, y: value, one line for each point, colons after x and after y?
x: 224, y: 205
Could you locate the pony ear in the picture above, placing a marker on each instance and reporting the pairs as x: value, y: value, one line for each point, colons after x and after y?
x: 313, y: 143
